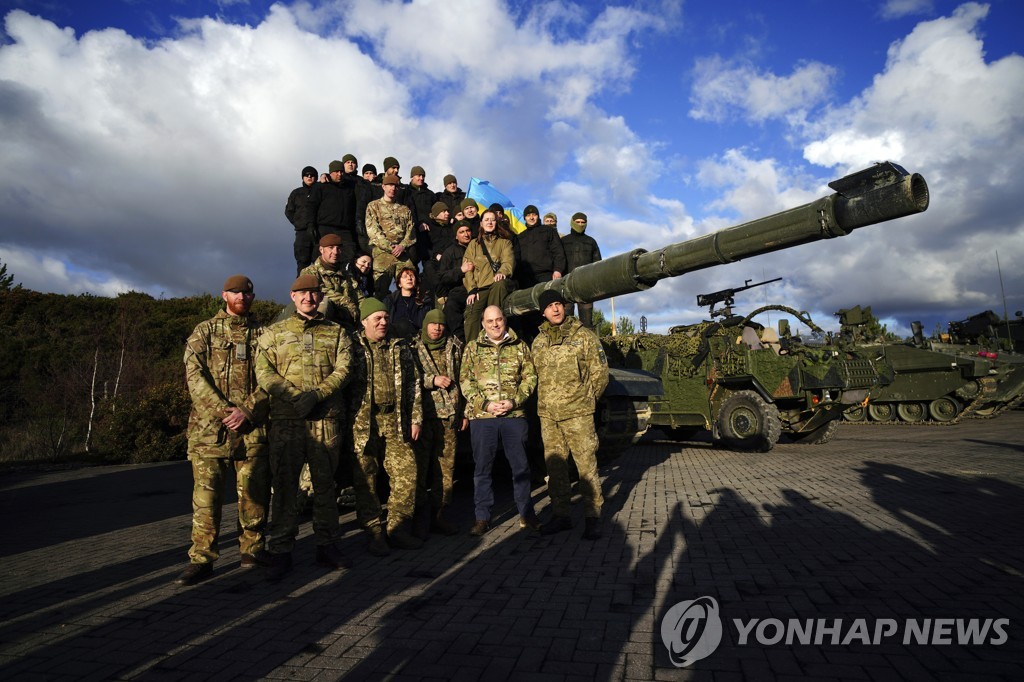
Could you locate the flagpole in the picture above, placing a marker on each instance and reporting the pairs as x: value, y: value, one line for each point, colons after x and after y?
x: 612, y: 299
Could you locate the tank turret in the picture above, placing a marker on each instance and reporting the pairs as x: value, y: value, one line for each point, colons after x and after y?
x: 874, y: 195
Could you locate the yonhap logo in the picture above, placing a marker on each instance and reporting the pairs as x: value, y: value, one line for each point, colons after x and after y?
x: 691, y: 630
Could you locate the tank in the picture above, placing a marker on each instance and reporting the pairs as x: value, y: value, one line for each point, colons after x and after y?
x: 874, y: 195
x: 926, y: 386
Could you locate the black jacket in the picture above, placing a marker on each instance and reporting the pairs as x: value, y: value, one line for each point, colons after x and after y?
x: 449, y: 269
x: 541, y: 255
x: 333, y: 205
x: 451, y: 200
x: 580, y: 249
x: 296, y: 208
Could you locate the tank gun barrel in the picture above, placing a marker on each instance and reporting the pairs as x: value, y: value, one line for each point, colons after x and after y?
x: 874, y: 195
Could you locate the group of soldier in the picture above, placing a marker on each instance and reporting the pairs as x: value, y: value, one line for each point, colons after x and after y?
x: 332, y: 388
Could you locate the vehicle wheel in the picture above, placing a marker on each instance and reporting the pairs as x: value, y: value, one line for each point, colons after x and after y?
x: 855, y: 414
x: 881, y: 412
x: 818, y: 436
x: 944, y: 409
x: 747, y: 422
x: 912, y: 413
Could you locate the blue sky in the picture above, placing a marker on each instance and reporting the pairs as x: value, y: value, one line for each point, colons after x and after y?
x: 151, y: 145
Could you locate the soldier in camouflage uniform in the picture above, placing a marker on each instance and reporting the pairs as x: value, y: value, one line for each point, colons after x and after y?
x: 440, y: 357
x: 391, y: 233
x: 226, y: 430
x: 337, y: 285
x: 387, y: 414
x: 303, y: 363
x: 496, y: 377
x: 572, y: 374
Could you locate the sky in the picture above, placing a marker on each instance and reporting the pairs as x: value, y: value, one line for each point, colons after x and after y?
x: 150, y: 145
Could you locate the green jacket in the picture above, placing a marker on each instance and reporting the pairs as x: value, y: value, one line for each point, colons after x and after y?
x: 340, y: 291
x: 408, y: 394
x: 482, y: 274
x: 496, y: 371
x: 572, y: 370
x: 220, y: 372
x: 440, y: 403
x: 298, y: 355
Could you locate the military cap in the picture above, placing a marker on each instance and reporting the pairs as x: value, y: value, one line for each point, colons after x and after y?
x: 389, y: 180
x: 240, y: 284
x: 579, y: 216
x: 549, y: 296
x: 466, y: 203
x: 389, y: 162
x: 460, y: 223
x: 370, y: 168
x: 330, y: 239
x: 417, y: 170
x: 369, y: 306
x: 336, y: 166
x: 530, y: 208
x: 306, y: 283
x: 496, y: 207
x: 309, y: 170
x: 436, y: 209
x: 435, y: 316
x: 553, y: 217
x: 349, y: 157
x: 450, y: 178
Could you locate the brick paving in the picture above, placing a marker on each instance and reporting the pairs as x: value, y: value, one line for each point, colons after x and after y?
x: 883, y: 523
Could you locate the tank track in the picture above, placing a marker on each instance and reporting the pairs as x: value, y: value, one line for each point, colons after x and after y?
x: 988, y: 387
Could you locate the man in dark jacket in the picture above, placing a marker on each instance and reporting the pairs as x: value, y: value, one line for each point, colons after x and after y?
x: 296, y: 210
x: 580, y: 249
x: 332, y: 209
x: 452, y: 196
x: 449, y: 281
x: 541, y: 259
x: 421, y: 201
x: 366, y: 191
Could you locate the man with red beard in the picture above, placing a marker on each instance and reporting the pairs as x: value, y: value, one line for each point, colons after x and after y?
x: 226, y: 430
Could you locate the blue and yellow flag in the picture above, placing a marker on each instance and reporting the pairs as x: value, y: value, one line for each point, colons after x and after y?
x: 484, y: 194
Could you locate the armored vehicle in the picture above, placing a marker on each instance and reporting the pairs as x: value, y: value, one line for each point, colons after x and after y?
x: 877, y: 194
x: 926, y: 386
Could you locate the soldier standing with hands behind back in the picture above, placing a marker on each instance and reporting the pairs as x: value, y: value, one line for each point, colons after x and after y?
x: 226, y: 430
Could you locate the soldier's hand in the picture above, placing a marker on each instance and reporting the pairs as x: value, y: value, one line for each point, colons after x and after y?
x: 556, y: 275
x: 442, y: 381
x: 467, y: 266
x: 305, y: 403
x: 235, y: 419
x: 397, y: 250
x: 464, y: 425
x: 498, y: 277
x: 414, y: 431
x: 471, y: 299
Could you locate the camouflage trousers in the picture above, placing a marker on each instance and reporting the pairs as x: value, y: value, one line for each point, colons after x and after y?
x: 400, y: 465
x: 252, y: 485
x: 435, y: 453
x: 385, y: 266
x: 557, y: 436
x: 294, y: 442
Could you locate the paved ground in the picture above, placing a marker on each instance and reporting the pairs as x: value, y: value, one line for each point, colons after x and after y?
x: 894, y: 523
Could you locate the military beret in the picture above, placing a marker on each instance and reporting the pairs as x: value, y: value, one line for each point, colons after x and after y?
x: 370, y: 168
x: 466, y: 203
x: 240, y: 284
x: 306, y: 283
x: 330, y: 239
x: 553, y: 217
x: 579, y: 216
x: 349, y: 157
x: 389, y: 180
x: 417, y: 170
x: 309, y: 170
x: 336, y: 167
x: 435, y: 316
x: 530, y: 208
x: 389, y: 162
x: 449, y: 179
x: 436, y: 209
x: 369, y: 306
x: 549, y: 296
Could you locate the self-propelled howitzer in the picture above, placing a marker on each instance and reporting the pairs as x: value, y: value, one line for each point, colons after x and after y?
x: 874, y: 195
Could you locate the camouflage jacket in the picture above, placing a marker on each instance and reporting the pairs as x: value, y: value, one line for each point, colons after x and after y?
x: 572, y: 370
x: 409, y: 397
x: 220, y: 372
x: 496, y: 371
x: 441, y: 402
x: 340, y: 291
x: 389, y: 223
x: 297, y: 355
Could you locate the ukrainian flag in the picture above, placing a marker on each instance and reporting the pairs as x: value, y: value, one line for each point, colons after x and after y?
x: 484, y: 194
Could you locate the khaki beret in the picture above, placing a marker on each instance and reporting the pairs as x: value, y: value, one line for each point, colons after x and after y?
x: 240, y: 284
x: 330, y: 239
x: 389, y: 180
x: 306, y: 283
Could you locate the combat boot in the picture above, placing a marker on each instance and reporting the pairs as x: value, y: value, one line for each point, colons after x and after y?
x: 378, y: 545
x: 440, y: 525
x: 592, y: 528
x: 480, y: 527
x: 400, y: 537
x: 278, y: 566
x: 556, y: 525
x: 194, y: 573
x: 331, y: 557
x: 529, y: 522
x: 421, y: 522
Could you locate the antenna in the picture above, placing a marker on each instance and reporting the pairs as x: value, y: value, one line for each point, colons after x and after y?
x: 1006, y: 314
